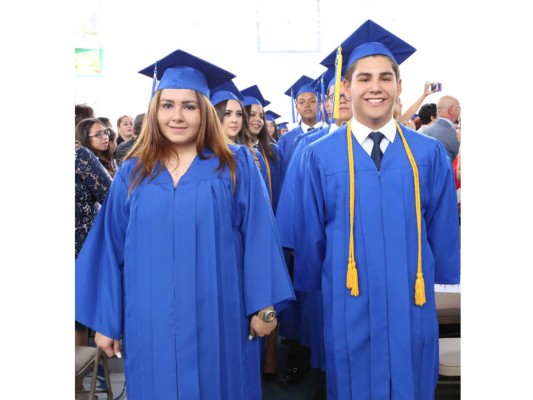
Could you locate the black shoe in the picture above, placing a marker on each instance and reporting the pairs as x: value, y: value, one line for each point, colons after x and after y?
x: 293, y: 376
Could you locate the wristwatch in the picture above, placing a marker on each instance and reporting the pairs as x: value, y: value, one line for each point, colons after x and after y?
x: 266, y: 315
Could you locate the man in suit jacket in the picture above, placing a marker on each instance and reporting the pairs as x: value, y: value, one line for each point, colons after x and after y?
x: 448, y: 113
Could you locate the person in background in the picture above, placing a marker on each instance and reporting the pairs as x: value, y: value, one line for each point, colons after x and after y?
x: 304, y: 98
x: 124, y: 147
x: 272, y: 128
x: 254, y: 104
x: 444, y: 129
x: 282, y: 128
x: 125, y: 129
x: 312, y: 328
x: 375, y: 260
x: 407, y: 116
x: 92, y: 182
x: 112, y: 137
x: 427, y: 115
x: 92, y: 134
x: 171, y: 263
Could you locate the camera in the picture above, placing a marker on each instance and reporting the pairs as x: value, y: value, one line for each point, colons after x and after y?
x: 436, y: 87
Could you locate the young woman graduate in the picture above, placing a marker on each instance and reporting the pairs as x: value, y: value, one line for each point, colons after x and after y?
x: 184, y: 262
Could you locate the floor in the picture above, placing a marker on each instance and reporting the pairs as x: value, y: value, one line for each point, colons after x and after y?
x: 304, y: 390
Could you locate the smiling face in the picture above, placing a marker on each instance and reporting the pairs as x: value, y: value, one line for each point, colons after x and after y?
x: 256, y: 119
x: 232, y: 122
x: 373, y: 88
x: 179, y: 117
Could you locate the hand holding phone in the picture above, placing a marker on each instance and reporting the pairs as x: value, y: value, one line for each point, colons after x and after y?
x: 436, y: 87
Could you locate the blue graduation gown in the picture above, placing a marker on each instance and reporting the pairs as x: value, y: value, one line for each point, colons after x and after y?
x: 276, y: 173
x: 304, y: 317
x: 286, y: 144
x: 379, y: 345
x: 174, y: 272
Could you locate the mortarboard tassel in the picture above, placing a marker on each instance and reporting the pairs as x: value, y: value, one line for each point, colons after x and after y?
x: 352, y: 278
x: 323, y: 99
x: 154, y: 81
x: 338, y: 71
x: 293, y: 103
x: 420, y: 290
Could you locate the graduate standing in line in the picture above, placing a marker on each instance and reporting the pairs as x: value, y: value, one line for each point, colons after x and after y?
x: 184, y: 261
x: 378, y: 228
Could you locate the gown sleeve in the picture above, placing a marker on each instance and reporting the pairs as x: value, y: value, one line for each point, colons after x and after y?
x: 442, y: 219
x: 285, y: 212
x: 266, y: 280
x: 309, y: 218
x: 100, y: 262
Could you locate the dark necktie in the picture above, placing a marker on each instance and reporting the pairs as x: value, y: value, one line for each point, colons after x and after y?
x: 376, y: 154
x: 310, y: 129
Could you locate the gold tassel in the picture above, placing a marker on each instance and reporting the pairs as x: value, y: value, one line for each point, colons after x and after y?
x: 352, y: 278
x: 338, y: 71
x: 420, y: 290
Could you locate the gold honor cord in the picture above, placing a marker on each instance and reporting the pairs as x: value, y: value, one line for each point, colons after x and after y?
x: 351, y: 276
x: 268, y: 172
x: 338, y: 70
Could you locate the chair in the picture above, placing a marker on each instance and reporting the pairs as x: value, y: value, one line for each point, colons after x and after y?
x: 449, y: 359
x: 448, y: 306
x: 88, y: 359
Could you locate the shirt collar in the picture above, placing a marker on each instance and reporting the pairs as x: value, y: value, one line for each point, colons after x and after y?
x: 361, y: 131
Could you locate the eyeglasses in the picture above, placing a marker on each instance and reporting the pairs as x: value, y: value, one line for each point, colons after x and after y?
x: 100, y: 134
x: 331, y: 97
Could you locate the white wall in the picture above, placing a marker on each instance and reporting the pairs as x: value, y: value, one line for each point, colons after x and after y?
x: 224, y: 33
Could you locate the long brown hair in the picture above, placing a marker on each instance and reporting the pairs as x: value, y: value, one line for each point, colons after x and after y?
x: 264, y: 138
x: 151, y: 146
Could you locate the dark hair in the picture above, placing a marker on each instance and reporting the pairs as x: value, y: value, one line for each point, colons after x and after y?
x: 82, y: 111
x: 138, y: 123
x: 349, y: 72
x: 244, y: 137
x: 427, y: 111
x: 105, y: 121
x: 264, y: 138
x: 82, y: 135
x: 275, y: 135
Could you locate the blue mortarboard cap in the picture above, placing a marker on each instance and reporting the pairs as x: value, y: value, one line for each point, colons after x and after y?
x: 271, y: 115
x: 370, y: 39
x: 282, y: 125
x: 252, y: 95
x: 304, y: 84
x: 181, y: 70
x: 226, y: 91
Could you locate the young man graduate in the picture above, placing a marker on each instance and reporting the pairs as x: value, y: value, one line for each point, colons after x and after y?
x: 378, y: 227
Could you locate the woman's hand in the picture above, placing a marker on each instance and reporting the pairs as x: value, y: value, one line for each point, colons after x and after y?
x: 260, y: 328
x: 110, y: 346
